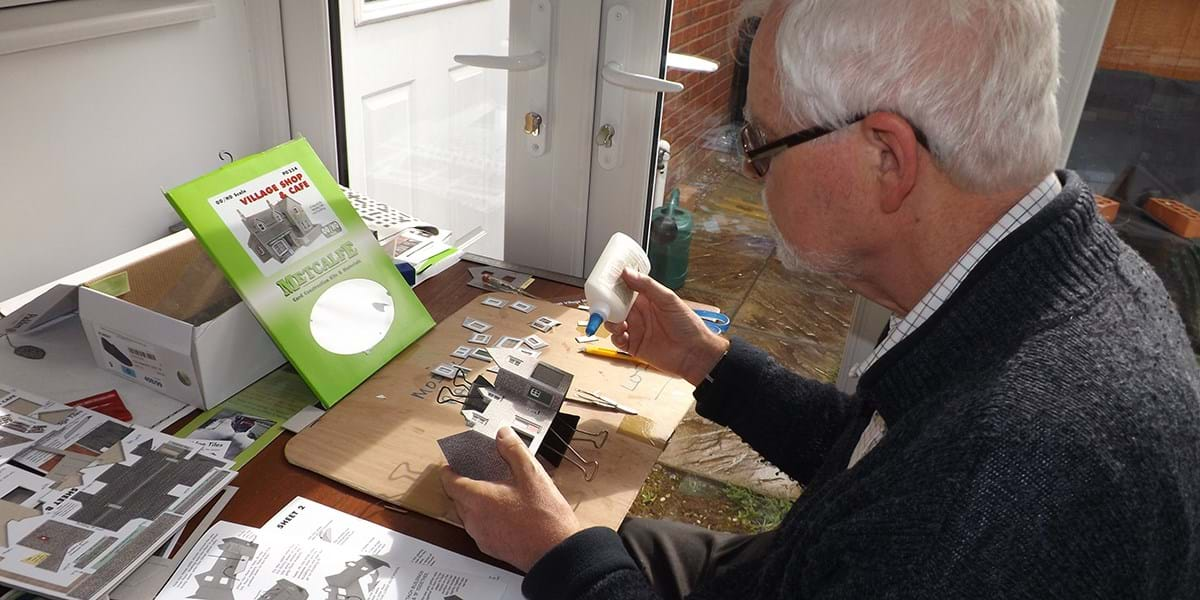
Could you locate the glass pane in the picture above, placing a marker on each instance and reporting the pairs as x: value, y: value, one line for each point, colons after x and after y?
x: 424, y: 134
x: 801, y: 320
x: 1136, y: 142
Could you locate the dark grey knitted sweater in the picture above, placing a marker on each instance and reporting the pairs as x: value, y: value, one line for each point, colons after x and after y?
x: 1043, y: 442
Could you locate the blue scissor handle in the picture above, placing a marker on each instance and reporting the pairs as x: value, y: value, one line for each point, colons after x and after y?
x: 715, y: 321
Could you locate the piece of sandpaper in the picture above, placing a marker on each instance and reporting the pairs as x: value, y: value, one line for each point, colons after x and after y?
x: 472, y: 454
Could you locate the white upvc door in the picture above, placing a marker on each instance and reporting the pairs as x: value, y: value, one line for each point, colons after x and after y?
x: 422, y: 132
x: 483, y: 113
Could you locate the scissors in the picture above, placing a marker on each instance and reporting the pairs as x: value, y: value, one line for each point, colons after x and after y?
x: 595, y: 399
x: 715, y: 321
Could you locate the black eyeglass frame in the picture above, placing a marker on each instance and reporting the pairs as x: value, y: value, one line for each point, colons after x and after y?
x: 755, y: 155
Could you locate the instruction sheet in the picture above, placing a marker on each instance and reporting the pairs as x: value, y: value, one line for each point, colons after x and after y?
x: 309, y: 550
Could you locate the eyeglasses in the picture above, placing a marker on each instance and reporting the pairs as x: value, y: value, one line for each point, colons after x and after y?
x: 758, y: 152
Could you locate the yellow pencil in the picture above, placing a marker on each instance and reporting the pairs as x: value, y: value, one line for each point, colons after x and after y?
x: 610, y: 353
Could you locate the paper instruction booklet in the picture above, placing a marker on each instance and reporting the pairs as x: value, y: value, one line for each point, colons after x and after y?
x: 296, y: 251
x: 110, y: 500
x: 312, y: 551
x: 253, y: 417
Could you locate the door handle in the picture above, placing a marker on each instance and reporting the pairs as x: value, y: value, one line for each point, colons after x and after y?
x: 616, y: 83
x: 535, y: 113
x: 614, y: 74
x: 522, y: 62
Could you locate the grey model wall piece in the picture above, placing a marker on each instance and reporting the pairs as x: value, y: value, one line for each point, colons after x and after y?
x: 141, y: 490
x: 347, y: 585
x: 284, y: 590
x: 103, y: 437
x: 54, y: 538
x: 94, y: 552
x: 217, y: 583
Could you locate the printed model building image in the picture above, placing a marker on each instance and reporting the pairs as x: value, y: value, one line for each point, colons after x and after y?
x: 279, y: 230
x: 217, y: 583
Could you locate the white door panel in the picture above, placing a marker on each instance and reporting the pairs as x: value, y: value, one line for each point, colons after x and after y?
x: 424, y: 133
x: 547, y: 195
x: 621, y: 184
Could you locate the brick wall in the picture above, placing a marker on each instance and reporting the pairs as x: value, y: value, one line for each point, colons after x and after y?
x: 1160, y: 37
x: 700, y: 28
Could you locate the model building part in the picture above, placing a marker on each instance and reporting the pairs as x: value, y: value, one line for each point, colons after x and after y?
x: 27, y: 419
x: 524, y: 307
x: 1179, y: 218
x: 481, y: 354
x: 544, y: 324
x: 586, y: 339
x: 218, y: 581
x: 529, y: 353
x: 129, y: 489
x: 494, y: 302
x: 445, y: 370
x: 535, y: 342
x: 349, y: 584
x: 480, y: 338
x: 476, y: 325
x: 461, y: 352
x: 284, y: 590
x: 508, y: 342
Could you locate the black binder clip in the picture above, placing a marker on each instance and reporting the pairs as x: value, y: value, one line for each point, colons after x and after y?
x: 556, y: 446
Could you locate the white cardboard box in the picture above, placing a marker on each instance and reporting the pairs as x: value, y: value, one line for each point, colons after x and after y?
x: 180, y: 330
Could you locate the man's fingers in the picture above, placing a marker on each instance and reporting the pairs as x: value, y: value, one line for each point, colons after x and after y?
x: 616, y: 328
x: 514, y: 452
x: 645, y: 284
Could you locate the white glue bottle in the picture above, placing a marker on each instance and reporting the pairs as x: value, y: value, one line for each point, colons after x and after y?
x: 607, y: 295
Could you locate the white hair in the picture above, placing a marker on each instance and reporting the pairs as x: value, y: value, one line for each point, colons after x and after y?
x: 979, y: 77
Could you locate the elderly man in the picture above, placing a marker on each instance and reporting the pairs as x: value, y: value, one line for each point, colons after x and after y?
x: 1030, y: 426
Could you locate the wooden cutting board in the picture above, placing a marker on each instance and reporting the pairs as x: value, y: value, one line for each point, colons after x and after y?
x: 382, y: 438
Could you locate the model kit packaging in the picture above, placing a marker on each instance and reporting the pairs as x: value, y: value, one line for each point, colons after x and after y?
x: 176, y: 326
x: 296, y: 251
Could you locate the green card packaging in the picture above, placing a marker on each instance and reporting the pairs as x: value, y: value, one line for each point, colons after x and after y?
x: 284, y: 234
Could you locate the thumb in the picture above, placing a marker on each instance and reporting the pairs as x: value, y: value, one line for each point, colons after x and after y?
x: 514, y: 452
x: 646, y: 284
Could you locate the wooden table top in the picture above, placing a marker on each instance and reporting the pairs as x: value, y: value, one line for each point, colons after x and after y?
x: 268, y: 482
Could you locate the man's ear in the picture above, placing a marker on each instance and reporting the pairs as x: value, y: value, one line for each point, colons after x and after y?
x: 892, y: 137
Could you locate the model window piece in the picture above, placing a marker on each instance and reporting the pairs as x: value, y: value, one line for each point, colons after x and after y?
x: 279, y: 230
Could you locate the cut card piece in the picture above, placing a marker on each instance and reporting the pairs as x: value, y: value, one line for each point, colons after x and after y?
x: 586, y: 339
x: 544, y: 324
x: 480, y: 338
x: 476, y: 325
x: 535, y: 342
x: 582, y: 324
x: 528, y: 352
x: 461, y: 352
x: 508, y: 342
x: 524, y: 307
x: 481, y: 354
x: 494, y: 302
x: 448, y: 370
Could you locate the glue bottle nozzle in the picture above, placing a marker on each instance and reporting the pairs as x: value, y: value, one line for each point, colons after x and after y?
x: 594, y: 323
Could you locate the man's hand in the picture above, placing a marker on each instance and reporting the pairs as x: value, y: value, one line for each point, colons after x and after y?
x: 665, y: 332
x: 516, y: 521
